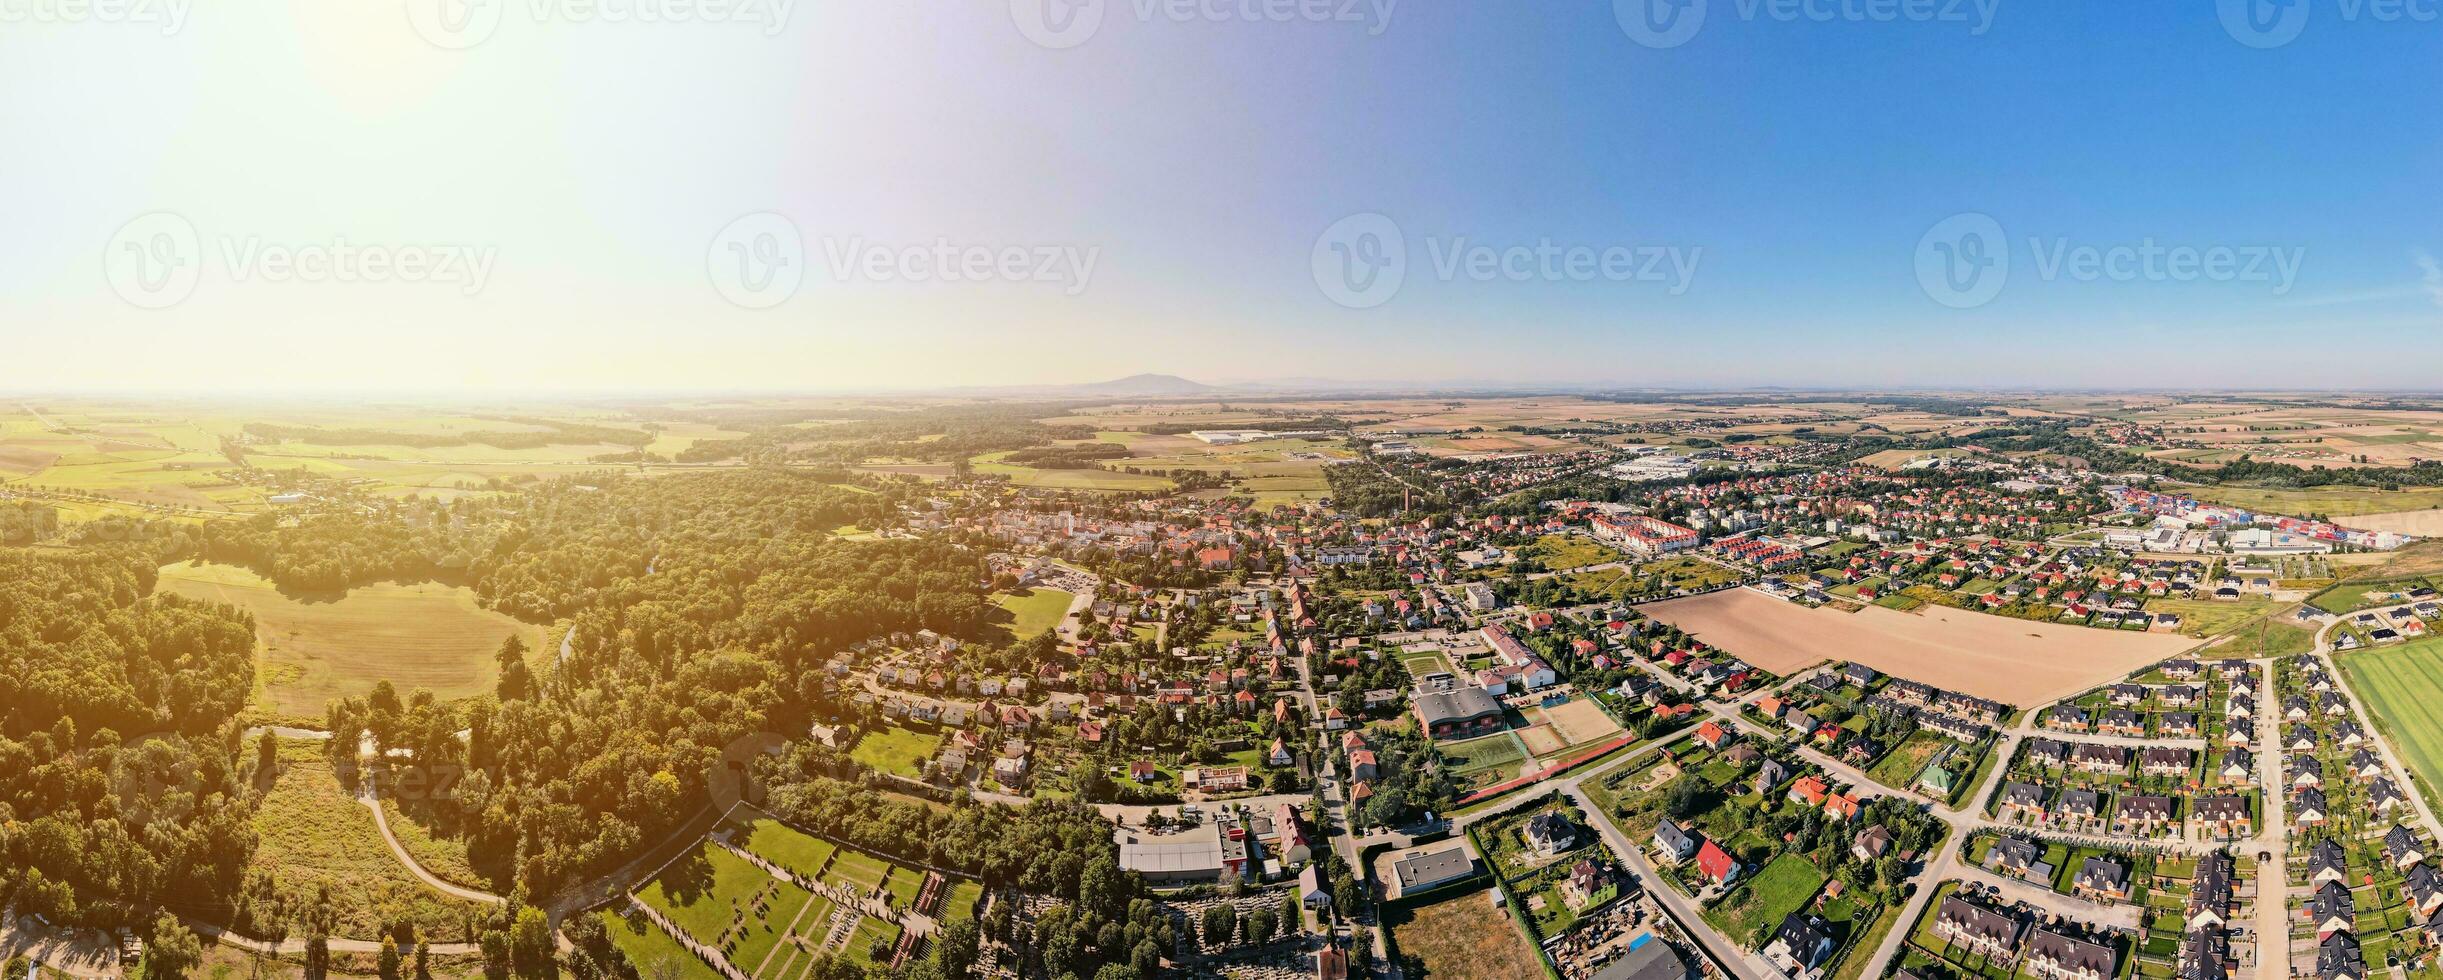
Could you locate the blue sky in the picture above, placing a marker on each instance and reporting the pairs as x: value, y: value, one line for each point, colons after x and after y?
x: 1163, y: 186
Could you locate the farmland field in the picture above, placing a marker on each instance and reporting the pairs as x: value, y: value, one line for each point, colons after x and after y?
x: 2008, y: 660
x: 1037, y: 610
x: 2403, y: 689
x: 2212, y: 617
x: 315, y: 649
x: 1090, y: 478
x: 1460, y: 936
x: 2333, y: 501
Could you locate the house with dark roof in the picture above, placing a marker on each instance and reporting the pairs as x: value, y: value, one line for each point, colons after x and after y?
x: 2014, y: 856
x: 2424, y: 889
x: 2307, y: 808
x: 2023, y: 800
x: 2339, y: 958
x: 2402, y: 847
x: 2211, y: 893
x: 1460, y: 712
x: 2078, y: 804
x: 2205, y: 954
x: 2101, y: 878
x: 1802, y: 944
x: 1674, y: 843
x: 2055, y: 954
x: 2332, y: 910
x: 2164, y: 760
x: 2385, y: 795
x: 1977, y: 927
x: 2047, y: 752
x: 2098, y: 757
x: 2327, y: 862
x: 2238, y: 767
x: 2224, y: 816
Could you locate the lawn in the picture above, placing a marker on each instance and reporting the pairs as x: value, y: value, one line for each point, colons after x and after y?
x: 960, y: 904
x: 315, y: 837
x: 2403, y: 689
x: 1460, y: 936
x: 896, y: 750
x: 903, y: 886
x: 783, y: 845
x: 647, y: 947
x: 708, y: 890
x: 857, y: 872
x: 1783, y: 887
x: 1036, y: 610
x: 314, y: 649
x: 870, y: 931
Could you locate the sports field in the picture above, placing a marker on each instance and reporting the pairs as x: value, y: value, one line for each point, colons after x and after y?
x: 1037, y: 610
x: 314, y: 649
x: 2009, y: 660
x: 2403, y: 688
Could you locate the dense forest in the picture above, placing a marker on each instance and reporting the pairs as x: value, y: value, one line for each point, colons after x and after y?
x: 119, y: 783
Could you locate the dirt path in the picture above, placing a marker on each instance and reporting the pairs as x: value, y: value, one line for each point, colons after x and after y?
x: 381, y: 818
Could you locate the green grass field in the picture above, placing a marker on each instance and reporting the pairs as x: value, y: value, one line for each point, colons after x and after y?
x: 2349, y: 597
x: 1483, y: 761
x: 903, y: 886
x: 315, y: 836
x: 857, y: 872
x: 2403, y: 688
x: 785, y: 846
x: 708, y: 890
x: 872, y: 931
x: 2266, y: 639
x: 647, y: 947
x: 2203, y: 618
x: 1036, y: 610
x: 1562, y: 552
x: 960, y: 904
x: 896, y: 750
x: 315, y: 649
x: 1785, y: 884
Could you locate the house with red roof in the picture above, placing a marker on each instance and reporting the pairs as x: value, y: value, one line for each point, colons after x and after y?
x: 1716, y: 864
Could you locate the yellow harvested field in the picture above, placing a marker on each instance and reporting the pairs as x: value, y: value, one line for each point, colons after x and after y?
x: 2010, y: 660
x: 2423, y: 523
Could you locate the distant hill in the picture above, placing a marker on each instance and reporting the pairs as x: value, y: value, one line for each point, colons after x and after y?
x: 1144, y: 386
